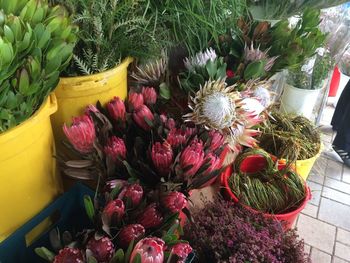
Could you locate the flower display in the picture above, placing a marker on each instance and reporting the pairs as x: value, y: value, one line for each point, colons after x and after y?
x: 115, y: 209
x: 143, y: 117
x: 134, y: 192
x: 162, y: 157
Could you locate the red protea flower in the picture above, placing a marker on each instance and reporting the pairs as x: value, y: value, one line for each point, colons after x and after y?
x: 149, y: 95
x: 111, y: 184
x: 81, y: 134
x: 141, y: 115
x: 174, y: 201
x: 135, y: 100
x: 182, y: 250
x: 116, y: 109
x: 177, y: 137
x: 151, y: 250
x: 114, y: 210
x: 69, y: 255
x: 151, y: 216
x: 192, y: 158
x: 115, y: 149
x: 215, y: 163
x: 217, y: 140
x: 162, y: 157
x: 102, y: 249
x: 129, y: 233
x: 134, y: 192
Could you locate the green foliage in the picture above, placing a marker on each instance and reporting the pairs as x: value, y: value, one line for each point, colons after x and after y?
x: 36, y: 44
x: 110, y: 30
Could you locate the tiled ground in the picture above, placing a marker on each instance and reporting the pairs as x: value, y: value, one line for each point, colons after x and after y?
x: 325, y: 222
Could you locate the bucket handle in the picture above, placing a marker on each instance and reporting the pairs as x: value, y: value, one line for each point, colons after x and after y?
x: 53, y: 103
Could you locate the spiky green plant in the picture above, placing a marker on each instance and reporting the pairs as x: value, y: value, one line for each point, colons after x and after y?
x: 36, y: 44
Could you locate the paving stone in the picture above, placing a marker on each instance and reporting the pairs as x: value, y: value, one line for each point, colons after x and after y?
x: 320, y: 166
x: 326, y: 137
x: 316, y: 177
x: 310, y: 210
x: 335, y: 184
x: 316, y: 233
x: 343, y: 236
x: 320, y: 256
x: 307, y: 249
x: 334, y: 170
x: 346, y: 174
x: 334, y: 213
x: 342, y: 251
x: 339, y: 260
x: 336, y: 195
x: 316, y: 190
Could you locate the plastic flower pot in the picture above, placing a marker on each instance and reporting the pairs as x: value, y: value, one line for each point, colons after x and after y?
x: 28, y: 179
x: 75, y: 93
x: 287, y: 218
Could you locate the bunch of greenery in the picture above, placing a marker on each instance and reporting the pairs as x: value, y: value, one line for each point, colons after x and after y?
x: 274, y: 189
x: 289, y: 137
x: 110, y: 30
x: 36, y: 44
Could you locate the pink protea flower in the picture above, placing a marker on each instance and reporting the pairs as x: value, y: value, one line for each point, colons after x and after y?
x: 170, y: 124
x: 182, y: 250
x: 174, y: 201
x: 116, y: 108
x: 115, y: 149
x: 102, y: 249
x: 129, y: 233
x: 150, y: 249
x: 81, y: 134
x: 111, y: 184
x: 149, y: 95
x: 151, y: 216
x: 141, y: 115
x: 114, y: 210
x: 71, y: 255
x: 215, y: 163
x: 217, y: 140
x: 192, y: 158
x: 177, y: 137
x: 162, y: 157
x: 134, y: 192
x: 135, y: 100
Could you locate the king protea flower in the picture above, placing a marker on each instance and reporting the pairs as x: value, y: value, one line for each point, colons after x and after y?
x: 129, y: 233
x: 151, y: 73
x: 254, y: 54
x: 150, y: 249
x: 68, y: 254
x: 162, y: 157
x: 182, y: 250
x: 115, y: 149
x: 200, y: 59
x: 174, y: 201
x: 218, y: 107
x: 102, y: 249
x: 81, y: 134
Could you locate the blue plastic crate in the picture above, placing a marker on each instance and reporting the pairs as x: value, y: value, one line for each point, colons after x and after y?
x: 66, y: 213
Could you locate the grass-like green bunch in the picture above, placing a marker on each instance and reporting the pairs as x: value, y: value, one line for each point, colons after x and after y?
x: 289, y: 137
x: 269, y: 190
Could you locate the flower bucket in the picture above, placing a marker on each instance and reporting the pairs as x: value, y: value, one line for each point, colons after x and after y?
x: 75, y: 93
x: 299, y: 101
x: 288, y: 218
x: 28, y: 179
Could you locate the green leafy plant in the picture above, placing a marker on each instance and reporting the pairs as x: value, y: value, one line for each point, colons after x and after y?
x: 36, y: 44
x: 110, y: 30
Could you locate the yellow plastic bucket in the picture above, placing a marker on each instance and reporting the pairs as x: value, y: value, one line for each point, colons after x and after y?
x: 75, y: 93
x: 28, y: 179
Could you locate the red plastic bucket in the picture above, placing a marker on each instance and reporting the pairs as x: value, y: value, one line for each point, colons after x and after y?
x: 288, y: 218
x: 333, y: 89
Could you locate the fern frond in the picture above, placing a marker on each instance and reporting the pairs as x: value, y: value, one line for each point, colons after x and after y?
x: 82, y: 66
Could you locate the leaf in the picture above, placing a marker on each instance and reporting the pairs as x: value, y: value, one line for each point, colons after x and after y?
x: 89, y: 207
x: 169, y: 238
x: 211, y: 68
x: 81, y: 174
x: 91, y: 259
x: 164, y: 91
x: 79, y: 163
x: 128, y: 251
x: 44, y: 253
x: 55, y: 239
x: 137, y: 259
x: 118, y: 257
x: 255, y: 70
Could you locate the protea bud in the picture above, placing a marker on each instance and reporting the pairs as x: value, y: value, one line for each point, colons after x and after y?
x: 151, y: 250
x: 177, y: 137
x: 130, y: 233
x: 134, y: 192
x: 115, y: 149
x: 217, y: 140
x: 111, y: 184
x: 67, y: 254
x: 151, y: 217
x: 141, y: 115
x: 192, y: 158
x: 230, y: 73
x: 135, y: 100
x: 174, y: 201
x: 149, y: 95
x: 162, y: 157
x: 114, y: 210
x: 81, y: 134
x: 116, y: 108
x: 182, y: 250
x: 102, y: 249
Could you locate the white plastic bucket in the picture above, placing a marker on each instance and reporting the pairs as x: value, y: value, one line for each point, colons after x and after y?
x: 299, y: 101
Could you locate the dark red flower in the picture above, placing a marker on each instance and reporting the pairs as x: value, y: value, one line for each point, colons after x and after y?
x: 69, y: 255
x: 151, y: 250
x: 182, y: 250
x: 135, y: 100
x: 174, y: 201
x: 115, y: 209
x: 151, y: 217
x: 162, y: 157
x: 102, y: 249
x: 129, y: 233
x: 115, y: 149
x: 134, y: 192
x: 192, y: 158
x: 141, y: 115
x: 116, y: 109
x: 177, y: 137
x: 149, y: 95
